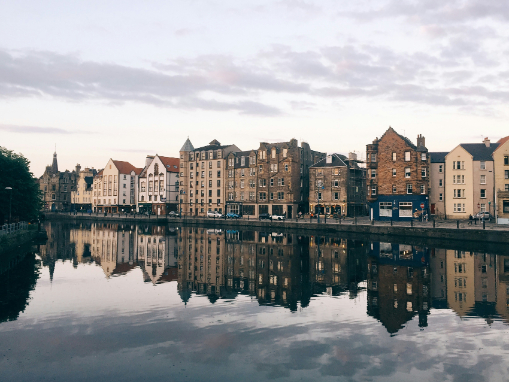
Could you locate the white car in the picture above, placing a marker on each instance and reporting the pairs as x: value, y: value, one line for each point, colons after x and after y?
x: 278, y: 217
x: 214, y: 214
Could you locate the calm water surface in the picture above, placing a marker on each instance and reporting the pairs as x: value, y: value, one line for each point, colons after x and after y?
x: 108, y: 302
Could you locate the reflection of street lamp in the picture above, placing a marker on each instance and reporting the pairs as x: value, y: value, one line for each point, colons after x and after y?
x: 10, y: 202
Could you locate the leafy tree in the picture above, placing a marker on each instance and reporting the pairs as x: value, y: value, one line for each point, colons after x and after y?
x: 26, y: 195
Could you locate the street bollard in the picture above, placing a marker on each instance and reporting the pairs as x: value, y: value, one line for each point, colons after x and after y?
x: 433, y: 223
x: 355, y: 220
x: 411, y: 223
x: 391, y: 222
x: 483, y: 224
x: 372, y: 221
x: 457, y: 224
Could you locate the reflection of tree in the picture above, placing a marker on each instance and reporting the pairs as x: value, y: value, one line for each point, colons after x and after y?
x: 15, y: 287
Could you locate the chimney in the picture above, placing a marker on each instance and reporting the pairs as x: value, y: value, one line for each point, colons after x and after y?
x: 78, y: 169
x: 352, y: 156
x: 328, y: 159
x: 486, y: 141
x: 148, y: 159
x: 421, y: 141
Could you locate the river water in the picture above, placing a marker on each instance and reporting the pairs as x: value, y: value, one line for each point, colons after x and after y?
x: 112, y: 302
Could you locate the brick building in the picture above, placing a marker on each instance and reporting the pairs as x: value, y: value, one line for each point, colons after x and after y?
x: 397, y: 177
x: 337, y: 185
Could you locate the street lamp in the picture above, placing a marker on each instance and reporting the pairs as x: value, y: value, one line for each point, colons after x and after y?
x: 10, y: 202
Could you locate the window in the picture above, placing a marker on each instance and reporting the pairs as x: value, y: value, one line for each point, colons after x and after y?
x: 407, y: 156
x: 263, y: 196
x: 407, y: 172
x: 423, y: 172
x: 271, y: 196
x: 409, y: 188
x: 441, y: 168
x: 373, y: 173
x: 423, y: 189
x: 281, y: 196
x: 393, y: 172
x: 286, y: 167
x: 423, y: 156
x: 386, y: 209
x: 440, y: 183
x: 394, y: 189
x: 483, y: 179
x: 459, y: 193
x: 242, y: 184
x: 440, y: 197
x: 405, y: 209
x: 458, y: 165
x: 506, y: 160
x: 506, y: 187
x: 483, y: 207
x: 459, y: 207
x: 483, y: 165
x: 319, y: 196
x: 506, y: 174
x: 373, y: 190
x: 483, y: 193
x: 336, y: 196
x: 262, y: 182
x: 335, y: 183
x: 210, y: 183
x: 281, y: 181
x: 373, y: 157
x: 394, y: 156
x: 272, y: 182
x: 505, y: 206
x: 273, y: 167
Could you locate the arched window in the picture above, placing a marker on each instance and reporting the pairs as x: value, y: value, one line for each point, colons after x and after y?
x: 156, y: 169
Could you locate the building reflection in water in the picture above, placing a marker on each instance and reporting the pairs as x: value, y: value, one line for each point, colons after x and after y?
x: 285, y: 269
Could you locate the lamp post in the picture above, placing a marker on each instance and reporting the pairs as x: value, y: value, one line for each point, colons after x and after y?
x: 10, y: 202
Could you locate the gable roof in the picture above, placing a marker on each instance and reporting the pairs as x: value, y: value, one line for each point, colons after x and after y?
x: 171, y: 164
x: 479, y: 151
x: 501, y: 141
x: 407, y: 141
x: 438, y: 157
x: 125, y: 167
x: 338, y: 160
x: 188, y: 146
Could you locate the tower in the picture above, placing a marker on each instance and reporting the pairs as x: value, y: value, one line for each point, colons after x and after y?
x: 185, y: 186
x: 54, y: 165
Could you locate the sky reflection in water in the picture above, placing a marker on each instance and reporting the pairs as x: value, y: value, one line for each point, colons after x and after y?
x: 106, y: 303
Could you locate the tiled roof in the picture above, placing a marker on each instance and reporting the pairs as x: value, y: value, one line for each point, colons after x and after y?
x: 438, y: 157
x: 126, y: 167
x: 479, y: 151
x: 338, y: 160
x: 501, y: 141
x: 171, y: 164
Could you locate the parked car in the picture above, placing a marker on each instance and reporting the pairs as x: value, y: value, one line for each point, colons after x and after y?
x: 479, y: 215
x: 278, y: 217
x: 232, y: 215
x: 264, y: 216
x: 214, y: 214
x: 174, y: 214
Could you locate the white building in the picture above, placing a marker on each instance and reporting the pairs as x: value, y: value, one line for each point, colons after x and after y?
x: 116, y: 191
x: 159, y: 185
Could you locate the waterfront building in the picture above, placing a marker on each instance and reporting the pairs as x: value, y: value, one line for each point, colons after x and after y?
x: 437, y: 184
x: 469, y: 179
x: 241, y: 183
x: 202, y: 177
x: 397, y: 177
x: 337, y: 185
x: 158, y: 188
x: 501, y: 170
x: 57, y: 186
x: 81, y: 196
x: 97, y: 190
x: 118, y: 187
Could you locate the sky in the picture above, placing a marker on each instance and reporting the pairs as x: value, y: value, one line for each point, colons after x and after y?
x: 125, y: 79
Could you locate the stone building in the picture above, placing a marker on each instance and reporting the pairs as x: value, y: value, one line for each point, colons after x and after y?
x: 501, y: 170
x: 469, y: 179
x: 81, y: 197
x: 337, y: 185
x: 397, y: 177
x: 57, y: 186
x: 158, y: 189
x: 437, y: 184
x: 241, y: 183
x: 202, y: 177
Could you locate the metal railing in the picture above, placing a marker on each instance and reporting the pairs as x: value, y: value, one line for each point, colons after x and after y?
x: 14, y: 227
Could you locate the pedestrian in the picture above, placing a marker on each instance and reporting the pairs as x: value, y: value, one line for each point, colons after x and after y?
x: 470, y: 219
x: 300, y: 214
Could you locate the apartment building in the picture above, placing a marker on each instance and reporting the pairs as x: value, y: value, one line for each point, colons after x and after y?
x: 501, y: 170
x: 337, y: 185
x: 116, y: 192
x: 81, y: 197
x: 158, y: 189
x: 202, y: 177
x: 241, y: 183
x: 469, y: 179
x: 57, y: 186
x: 397, y: 177
x: 437, y: 184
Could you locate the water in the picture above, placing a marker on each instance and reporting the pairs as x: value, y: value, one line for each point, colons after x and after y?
x: 111, y: 302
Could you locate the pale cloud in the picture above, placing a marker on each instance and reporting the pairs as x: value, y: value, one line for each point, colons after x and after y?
x: 39, y: 130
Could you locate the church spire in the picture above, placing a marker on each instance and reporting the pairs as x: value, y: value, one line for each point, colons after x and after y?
x: 54, y: 165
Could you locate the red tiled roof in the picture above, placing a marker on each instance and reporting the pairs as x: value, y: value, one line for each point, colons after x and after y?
x: 170, y: 163
x: 100, y: 173
x: 501, y: 141
x: 124, y: 167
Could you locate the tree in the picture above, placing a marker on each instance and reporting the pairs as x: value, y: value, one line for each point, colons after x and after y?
x: 26, y: 195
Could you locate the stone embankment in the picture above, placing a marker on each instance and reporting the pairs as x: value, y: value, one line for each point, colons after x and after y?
x: 445, y: 234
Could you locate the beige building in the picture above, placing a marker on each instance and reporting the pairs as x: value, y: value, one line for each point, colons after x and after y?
x: 460, y: 281
x: 501, y: 163
x: 337, y: 185
x: 81, y: 197
x: 202, y: 177
x: 437, y: 183
x: 469, y: 179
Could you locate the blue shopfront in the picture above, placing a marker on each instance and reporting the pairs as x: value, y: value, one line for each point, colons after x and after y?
x: 399, y: 207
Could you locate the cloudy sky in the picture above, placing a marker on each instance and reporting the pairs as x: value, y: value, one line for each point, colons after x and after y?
x: 123, y: 79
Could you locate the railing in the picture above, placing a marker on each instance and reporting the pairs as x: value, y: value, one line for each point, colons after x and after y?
x: 14, y: 227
